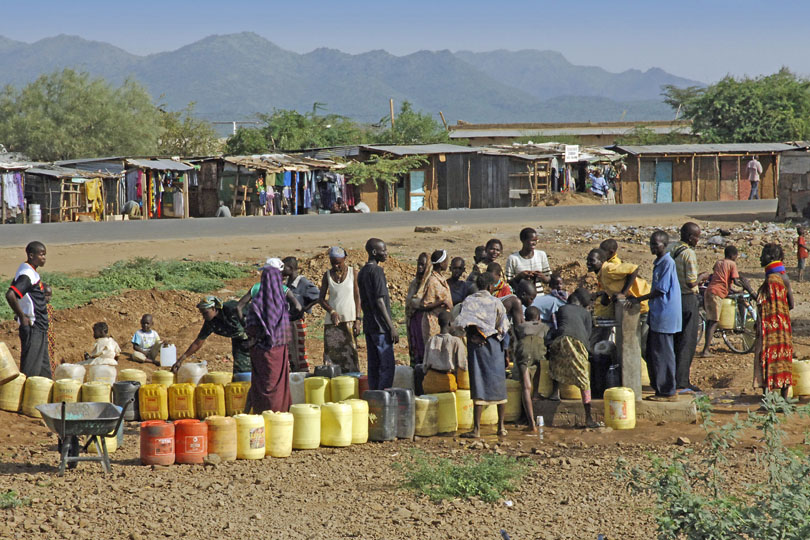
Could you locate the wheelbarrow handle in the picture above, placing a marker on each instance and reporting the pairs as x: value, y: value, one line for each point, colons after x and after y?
x: 62, y: 424
x: 121, y: 417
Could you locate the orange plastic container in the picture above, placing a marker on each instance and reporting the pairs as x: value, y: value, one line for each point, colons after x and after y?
x: 190, y: 441
x: 222, y: 437
x: 157, y: 442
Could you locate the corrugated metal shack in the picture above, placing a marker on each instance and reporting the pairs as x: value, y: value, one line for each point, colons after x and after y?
x: 12, y: 187
x: 794, y: 184
x: 67, y: 194
x: 697, y: 172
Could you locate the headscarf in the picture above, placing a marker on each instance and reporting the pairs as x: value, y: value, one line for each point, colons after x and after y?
x: 775, y: 267
x: 269, y: 311
x: 274, y: 262
x: 209, y: 302
x: 337, y: 252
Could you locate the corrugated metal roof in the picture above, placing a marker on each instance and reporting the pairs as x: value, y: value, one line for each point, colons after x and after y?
x: 495, y: 133
x: 419, y: 149
x: 56, y: 171
x: 735, y: 148
x: 160, y: 164
x: 333, y: 152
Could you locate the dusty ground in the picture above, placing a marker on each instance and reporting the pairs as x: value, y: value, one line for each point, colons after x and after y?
x: 353, y: 493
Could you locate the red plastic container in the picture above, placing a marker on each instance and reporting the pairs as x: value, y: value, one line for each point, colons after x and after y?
x: 362, y: 385
x: 157, y: 442
x: 190, y: 441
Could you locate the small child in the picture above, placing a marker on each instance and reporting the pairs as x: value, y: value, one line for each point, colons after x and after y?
x: 801, y: 251
x: 105, y: 350
x: 445, y: 355
x: 530, y: 349
x: 146, y: 342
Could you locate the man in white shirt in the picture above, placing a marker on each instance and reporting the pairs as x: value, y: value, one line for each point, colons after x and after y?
x: 528, y: 263
x: 754, y: 170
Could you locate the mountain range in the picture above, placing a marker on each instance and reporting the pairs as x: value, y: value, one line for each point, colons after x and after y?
x: 235, y: 76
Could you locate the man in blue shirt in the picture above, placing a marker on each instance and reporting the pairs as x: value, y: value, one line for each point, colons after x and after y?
x: 599, y: 185
x: 664, y: 319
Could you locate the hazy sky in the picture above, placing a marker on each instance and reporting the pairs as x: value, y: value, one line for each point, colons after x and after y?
x: 700, y: 39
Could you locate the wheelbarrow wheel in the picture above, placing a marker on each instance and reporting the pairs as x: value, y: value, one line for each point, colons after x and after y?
x: 73, y: 449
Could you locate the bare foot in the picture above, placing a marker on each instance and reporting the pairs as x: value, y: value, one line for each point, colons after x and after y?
x: 470, y: 435
x: 705, y: 354
x: 530, y: 429
x: 502, y: 432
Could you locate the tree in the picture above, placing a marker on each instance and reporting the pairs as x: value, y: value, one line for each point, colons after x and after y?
x: 763, y: 109
x: 246, y: 141
x: 290, y: 130
x: 68, y: 115
x: 412, y: 127
x: 383, y: 170
x: 184, y: 135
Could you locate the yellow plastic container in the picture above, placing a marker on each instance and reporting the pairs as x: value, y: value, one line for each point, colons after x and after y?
x: 645, y: 375
x: 69, y: 371
x: 66, y: 390
x: 37, y: 392
x: 344, y: 387
x: 101, y: 373
x: 359, y: 420
x: 209, y: 400
x: 514, y: 400
x: 153, y: 402
x: 620, y: 408
x: 222, y: 437
x: 306, y: 426
x: 218, y: 377
x: 427, y: 416
x: 249, y: 436
x: 11, y: 394
x: 112, y: 446
x: 728, y: 307
x: 489, y: 416
x: 8, y: 367
x: 464, y: 410
x: 801, y: 377
x: 133, y: 374
x: 569, y: 391
x: 463, y: 379
x: 278, y: 429
x: 448, y: 411
x: 161, y: 376
x: 545, y: 384
x: 181, y: 401
x: 236, y: 397
x: 317, y: 390
x: 96, y: 392
x: 336, y: 424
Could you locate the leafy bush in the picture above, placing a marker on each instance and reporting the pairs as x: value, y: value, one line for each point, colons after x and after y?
x: 10, y: 499
x: 695, y: 499
x: 439, y: 478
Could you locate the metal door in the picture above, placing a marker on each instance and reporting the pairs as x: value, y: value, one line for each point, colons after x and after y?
x: 663, y: 182
x: 647, y: 181
x: 417, y: 193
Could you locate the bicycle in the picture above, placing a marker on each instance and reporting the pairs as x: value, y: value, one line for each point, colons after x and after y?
x: 743, y: 336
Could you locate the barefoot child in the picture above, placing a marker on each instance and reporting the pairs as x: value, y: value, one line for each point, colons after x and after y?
x: 146, y: 342
x: 801, y: 251
x: 105, y: 350
x: 530, y: 349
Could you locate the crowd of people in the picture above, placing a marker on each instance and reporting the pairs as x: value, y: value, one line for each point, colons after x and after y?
x: 463, y: 331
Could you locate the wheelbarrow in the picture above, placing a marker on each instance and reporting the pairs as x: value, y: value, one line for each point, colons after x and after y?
x: 71, y: 420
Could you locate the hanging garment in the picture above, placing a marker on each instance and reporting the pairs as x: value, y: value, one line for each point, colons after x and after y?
x: 93, y: 190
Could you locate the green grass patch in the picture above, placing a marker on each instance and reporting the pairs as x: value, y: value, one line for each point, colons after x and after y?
x: 488, y: 477
x: 10, y: 499
x: 398, y: 316
x: 141, y: 274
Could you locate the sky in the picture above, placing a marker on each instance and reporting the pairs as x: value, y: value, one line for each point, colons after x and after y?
x: 699, y: 39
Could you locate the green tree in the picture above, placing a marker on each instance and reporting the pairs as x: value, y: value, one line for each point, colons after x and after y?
x: 246, y: 141
x: 413, y: 127
x: 291, y: 130
x: 184, y: 135
x: 68, y: 115
x: 762, y: 109
x: 383, y: 170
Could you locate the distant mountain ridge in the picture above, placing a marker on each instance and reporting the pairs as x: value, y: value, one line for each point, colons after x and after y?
x: 235, y: 76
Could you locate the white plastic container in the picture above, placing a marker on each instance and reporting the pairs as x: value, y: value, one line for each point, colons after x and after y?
x: 297, y: 388
x: 105, y: 374
x: 34, y: 213
x: 69, y: 371
x: 403, y: 378
x: 192, y: 373
x: 168, y: 355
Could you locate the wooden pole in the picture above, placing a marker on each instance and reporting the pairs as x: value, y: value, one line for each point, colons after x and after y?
x: 391, y: 105
x: 775, y: 176
x: 236, y: 191
x: 739, y: 174
x: 443, y: 120
x: 717, y: 166
x: 638, y: 176
x: 694, y: 193
x: 185, y: 196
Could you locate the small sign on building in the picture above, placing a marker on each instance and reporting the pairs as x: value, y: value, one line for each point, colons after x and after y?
x: 571, y: 153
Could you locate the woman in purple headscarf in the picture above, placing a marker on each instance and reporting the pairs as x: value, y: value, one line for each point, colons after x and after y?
x: 268, y: 325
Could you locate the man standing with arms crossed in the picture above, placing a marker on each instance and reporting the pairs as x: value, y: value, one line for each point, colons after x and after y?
x: 378, y: 325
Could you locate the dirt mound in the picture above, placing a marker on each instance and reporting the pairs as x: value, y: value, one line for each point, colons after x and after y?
x: 570, y: 199
x: 575, y: 274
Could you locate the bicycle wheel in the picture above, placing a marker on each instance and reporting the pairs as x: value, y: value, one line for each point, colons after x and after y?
x: 701, y: 325
x: 742, y: 338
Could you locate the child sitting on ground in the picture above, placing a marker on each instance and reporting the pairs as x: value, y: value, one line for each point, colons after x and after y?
x: 146, y: 342
x: 530, y: 349
x: 105, y: 350
x: 445, y: 359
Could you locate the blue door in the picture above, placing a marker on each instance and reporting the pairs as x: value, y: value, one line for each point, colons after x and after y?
x: 647, y: 181
x: 663, y: 182
x: 417, y: 190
